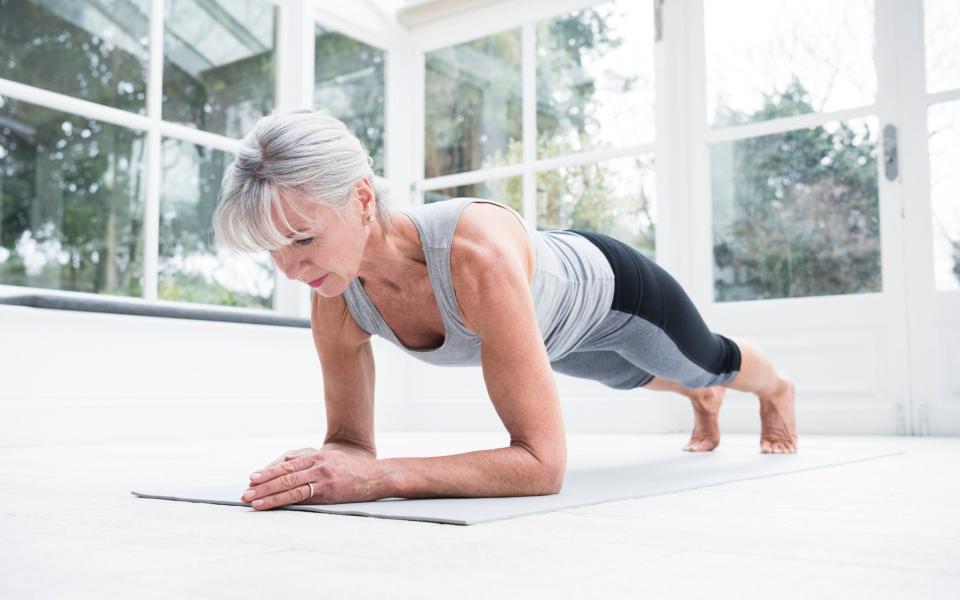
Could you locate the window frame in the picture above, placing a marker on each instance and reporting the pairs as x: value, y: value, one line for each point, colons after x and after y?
x: 293, y: 87
x: 482, y: 23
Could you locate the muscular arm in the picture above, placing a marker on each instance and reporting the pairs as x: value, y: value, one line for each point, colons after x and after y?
x: 349, y: 374
x: 494, y: 292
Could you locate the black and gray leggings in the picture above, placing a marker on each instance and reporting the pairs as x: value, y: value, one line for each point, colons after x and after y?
x: 653, y: 329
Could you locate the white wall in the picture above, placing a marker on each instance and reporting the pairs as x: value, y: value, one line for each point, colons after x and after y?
x: 75, y: 377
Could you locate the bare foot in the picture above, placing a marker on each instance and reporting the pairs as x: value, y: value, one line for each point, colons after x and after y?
x: 778, y: 428
x: 706, y: 430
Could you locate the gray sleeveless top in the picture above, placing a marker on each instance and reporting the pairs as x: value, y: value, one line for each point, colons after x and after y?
x: 572, y: 287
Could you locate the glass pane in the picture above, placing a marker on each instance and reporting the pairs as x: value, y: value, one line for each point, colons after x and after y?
x: 93, y: 49
x: 941, y: 28
x: 349, y: 83
x: 595, y: 78
x: 615, y: 197
x: 768, y: 59
x: 218, y: 63
x: 796, y: 214
x: 71, y: 202
x: 506, y: 191
x: 943, y: 121
x: 473, y: 105
x: 191, y: 269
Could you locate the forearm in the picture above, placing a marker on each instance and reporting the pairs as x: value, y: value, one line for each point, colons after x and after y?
x: 511, y: 471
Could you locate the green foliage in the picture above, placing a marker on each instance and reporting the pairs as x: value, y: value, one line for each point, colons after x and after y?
x: 349, y: 82
x: 467, y: 104
x: 39, y: 47
x: 185, y: 287
x: 72, y: 189
x: 473, y: 105
x: 795, y: 214
x: 590, y: 197
x: 565, y: 90
x: 600, y: 197
x: 71, y: 194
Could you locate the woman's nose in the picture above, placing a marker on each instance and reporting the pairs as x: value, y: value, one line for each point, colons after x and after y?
x: 288, y: 265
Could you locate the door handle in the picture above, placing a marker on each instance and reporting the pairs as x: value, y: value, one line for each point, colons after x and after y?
x: 891, y: 162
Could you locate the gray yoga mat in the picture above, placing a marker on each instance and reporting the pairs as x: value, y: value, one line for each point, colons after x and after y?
x: 661, y: 472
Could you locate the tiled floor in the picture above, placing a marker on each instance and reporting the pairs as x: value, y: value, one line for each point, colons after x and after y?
x: 884, y: 528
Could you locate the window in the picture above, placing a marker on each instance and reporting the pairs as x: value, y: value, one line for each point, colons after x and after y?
x: 943, y: 124
x: 74, y: 193
x: 96, y: 51
x: 795, y: 207
x: 190, y: 268
x: 589, y: 162
x: 219, y: 62
x: 615, y: 197
x: 473, y: 105
x: 796, y: 213
x: 595, y: 80
x: 940, y: 35
x: 507, y: 191
x: 71, y: 202
x: 349, y: 82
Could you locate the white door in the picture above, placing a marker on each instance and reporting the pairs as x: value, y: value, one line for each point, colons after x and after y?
x: 801, y: 241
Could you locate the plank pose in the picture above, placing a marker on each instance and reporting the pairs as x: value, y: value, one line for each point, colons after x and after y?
x: 464, y: 282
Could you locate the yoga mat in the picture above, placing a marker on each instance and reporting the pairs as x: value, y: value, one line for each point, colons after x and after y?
x: 660, y: 472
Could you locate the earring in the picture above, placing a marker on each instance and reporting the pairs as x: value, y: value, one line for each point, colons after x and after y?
x: 370, y: 218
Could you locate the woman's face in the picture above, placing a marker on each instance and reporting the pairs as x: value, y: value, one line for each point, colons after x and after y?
x: 330, y: 246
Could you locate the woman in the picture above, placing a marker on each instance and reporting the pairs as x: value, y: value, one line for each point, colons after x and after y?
x: 464, y: 282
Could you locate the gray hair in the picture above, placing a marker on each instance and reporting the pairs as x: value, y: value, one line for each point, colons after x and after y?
x: 304, y: 151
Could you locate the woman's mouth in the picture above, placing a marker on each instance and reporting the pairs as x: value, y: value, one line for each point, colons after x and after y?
x: 317, y: 282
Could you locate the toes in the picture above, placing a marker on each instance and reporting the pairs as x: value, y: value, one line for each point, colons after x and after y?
x: 777, y: 447
x: 702, y: 445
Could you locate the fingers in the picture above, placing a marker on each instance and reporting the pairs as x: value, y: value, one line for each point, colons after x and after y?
x: 291, y: 454
x: 283, y: 483
x: 278, y: 468
x: 299, y: 493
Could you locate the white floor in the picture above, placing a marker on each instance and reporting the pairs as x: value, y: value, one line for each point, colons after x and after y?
x: 884, y: 528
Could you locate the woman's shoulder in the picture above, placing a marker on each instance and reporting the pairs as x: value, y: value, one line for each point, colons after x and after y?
x: 488, y: 229
x: 332, y: 323
x: 491, y: 252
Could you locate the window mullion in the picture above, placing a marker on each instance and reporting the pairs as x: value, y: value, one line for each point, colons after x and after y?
x: 151, y: 211
x: 697, y: 151
x: 528, y: 70
x: 294, y: 89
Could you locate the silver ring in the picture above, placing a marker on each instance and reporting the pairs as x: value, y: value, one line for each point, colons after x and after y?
x: 311, y: 490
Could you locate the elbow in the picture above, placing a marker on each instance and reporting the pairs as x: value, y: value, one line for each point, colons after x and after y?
x: 548, y: 464
x: 553, y: 473
x: 553, y: 482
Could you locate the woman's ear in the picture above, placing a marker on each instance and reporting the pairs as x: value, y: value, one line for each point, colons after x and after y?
x: 365, y: 194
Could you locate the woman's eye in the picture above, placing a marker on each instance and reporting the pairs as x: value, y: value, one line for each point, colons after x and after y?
x: 304, y: 241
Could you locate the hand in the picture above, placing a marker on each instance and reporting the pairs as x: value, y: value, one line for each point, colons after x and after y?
x: 337, y: 477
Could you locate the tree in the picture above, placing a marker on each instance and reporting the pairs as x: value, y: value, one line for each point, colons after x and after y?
x: 474, y: 121
x: 72, y: 189
x: 614, y: 197
x: 795, y: 214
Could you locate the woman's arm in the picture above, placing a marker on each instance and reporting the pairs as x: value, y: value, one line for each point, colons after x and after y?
x: 493, y: 291
x: 349, y: 374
